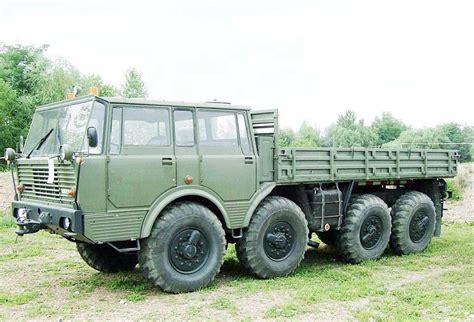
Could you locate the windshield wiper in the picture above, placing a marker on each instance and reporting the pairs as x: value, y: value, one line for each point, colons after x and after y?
x: 40, y: 143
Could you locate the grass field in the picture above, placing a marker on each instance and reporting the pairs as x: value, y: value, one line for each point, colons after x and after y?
x: 42, y: 277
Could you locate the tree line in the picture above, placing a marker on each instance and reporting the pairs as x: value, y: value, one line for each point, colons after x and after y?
x: 384, y: 131
x: 28, y: 78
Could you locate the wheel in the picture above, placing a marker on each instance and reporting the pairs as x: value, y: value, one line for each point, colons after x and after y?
x: 106, y: 259
x: 413, y: 223
x: 185, y: 249
x: 366, y: 229
x: 328, y: 237
x: 275, y: 241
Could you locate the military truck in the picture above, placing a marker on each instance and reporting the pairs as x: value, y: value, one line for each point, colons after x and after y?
x: 168, y: 185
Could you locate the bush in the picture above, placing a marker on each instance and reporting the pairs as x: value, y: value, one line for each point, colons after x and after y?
x: 455, y: 188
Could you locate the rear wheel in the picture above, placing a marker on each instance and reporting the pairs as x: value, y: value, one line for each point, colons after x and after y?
x: 106, y: 259
x: 413, y: 223
x: 366, y: 229
x: 185, y: 249
x: 275, y: 241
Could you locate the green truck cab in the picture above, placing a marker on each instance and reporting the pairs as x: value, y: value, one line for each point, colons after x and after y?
x: 167, y: 185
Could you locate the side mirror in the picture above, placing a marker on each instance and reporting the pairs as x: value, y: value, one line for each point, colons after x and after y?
x: 10, y: 155
x: 92, y: 136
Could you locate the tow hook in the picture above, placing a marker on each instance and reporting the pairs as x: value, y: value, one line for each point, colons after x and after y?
x: 28, y: 226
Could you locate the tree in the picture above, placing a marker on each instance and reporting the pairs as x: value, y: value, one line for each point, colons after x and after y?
x: 462, y: 135
x: 108, y: 90
x: 348, y: 132
x: 60, y: 75
x: 307, y: 136
x: 105, y: 90
x: 428, y: 138
x: 133, y: 86
x: 14, y: 118
x: 387, y: 128
x: 22, y: 67
x: 286, y: 136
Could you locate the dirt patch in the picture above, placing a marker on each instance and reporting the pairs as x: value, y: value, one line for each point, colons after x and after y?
x: 6, y: 190
x: 398, y: 278
x: 462, y: 210
x: 334, y: 310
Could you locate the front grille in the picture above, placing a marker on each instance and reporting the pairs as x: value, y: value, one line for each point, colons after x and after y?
x: 34, y: 177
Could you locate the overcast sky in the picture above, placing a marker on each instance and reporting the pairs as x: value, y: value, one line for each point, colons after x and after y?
x: 310, y: 59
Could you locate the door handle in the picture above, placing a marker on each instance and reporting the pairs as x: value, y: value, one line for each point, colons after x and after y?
x: 167, y: 161
x: 248, y: 160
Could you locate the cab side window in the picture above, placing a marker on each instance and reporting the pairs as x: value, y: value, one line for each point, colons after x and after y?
x: 184, y: 127
x: 243, y: 134
x: 116, y: 133
x: 145, y: 126
x: 217, y: 129
x: 140, y: 127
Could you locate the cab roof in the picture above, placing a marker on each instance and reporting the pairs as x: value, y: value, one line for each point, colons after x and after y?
x: 141, y: 101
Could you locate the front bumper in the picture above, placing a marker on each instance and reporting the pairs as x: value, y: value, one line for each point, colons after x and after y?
x: 40, y: 216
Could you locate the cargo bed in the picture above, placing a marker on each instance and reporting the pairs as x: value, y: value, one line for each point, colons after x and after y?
x: 305, y: 165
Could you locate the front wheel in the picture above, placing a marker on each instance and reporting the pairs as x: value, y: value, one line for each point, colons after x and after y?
x: 106, y: 259
x: 275, y: 241
x: 185, y: 249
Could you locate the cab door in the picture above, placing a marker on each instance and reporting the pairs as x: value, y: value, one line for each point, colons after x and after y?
x: 141, y: 163
x: 228, y: 163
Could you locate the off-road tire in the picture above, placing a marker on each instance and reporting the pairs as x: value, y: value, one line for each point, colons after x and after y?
x: 364, y: 214
x: 157, y: 255
x: 328, y: 237
x: 253, y: 248
x: 106, y: 259
x: 405, y: 239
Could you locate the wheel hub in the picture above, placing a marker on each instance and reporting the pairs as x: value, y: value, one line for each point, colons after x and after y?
x: 188, y: 251
x: 418, y: 226
x: 278, y: 240
x: 371, y: 232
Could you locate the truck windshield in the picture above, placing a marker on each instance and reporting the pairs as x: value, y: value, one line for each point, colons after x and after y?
x: 68, y: 125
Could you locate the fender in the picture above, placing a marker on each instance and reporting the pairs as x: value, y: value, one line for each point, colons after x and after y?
x: 264, y: 190
x: 171, y: 195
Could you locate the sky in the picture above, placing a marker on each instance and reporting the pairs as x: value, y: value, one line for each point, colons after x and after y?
x: 312, y: 60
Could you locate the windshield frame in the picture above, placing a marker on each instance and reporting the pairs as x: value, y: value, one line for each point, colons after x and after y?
x: 84, y: 99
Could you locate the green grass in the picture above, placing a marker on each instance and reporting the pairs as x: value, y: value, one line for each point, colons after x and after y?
x: 285, y: 311
x: 21, y: 253
x: 6, y: 220
x: 135, y: 297
x: 13, y: 299
x: 132, y: 284
x: 225, y: 304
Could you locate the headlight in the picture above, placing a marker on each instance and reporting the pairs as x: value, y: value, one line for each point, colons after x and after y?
x: 66, y: 152
x: 66, y: 223
x: 21, y: 214
x: 10, y: 154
